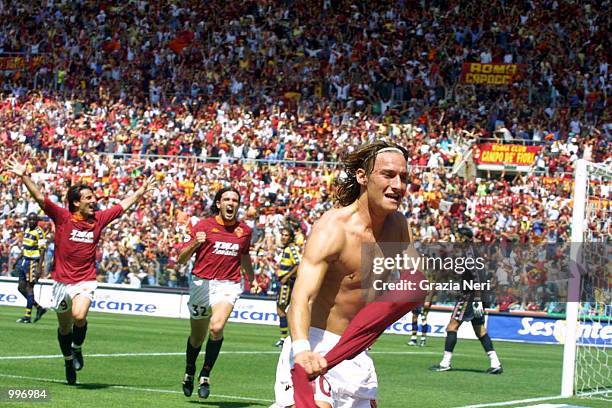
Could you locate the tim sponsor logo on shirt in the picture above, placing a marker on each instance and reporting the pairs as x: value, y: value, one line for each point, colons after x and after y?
x: 86, y: 237
x: 226, y: 248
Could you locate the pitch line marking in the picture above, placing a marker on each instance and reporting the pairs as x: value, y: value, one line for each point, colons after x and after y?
x: 501, y: 404
x: 154, y: 354
x: 538, y: 399
x: 125, y: 387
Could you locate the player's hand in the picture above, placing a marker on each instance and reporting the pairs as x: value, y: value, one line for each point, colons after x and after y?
x: 201, y: 237
x: 150, y: 183
x: 14, y: 166
x: 478, y: 309
x: 313, y: 363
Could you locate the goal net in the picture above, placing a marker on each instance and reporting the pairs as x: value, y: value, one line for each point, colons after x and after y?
x: 587, y: 368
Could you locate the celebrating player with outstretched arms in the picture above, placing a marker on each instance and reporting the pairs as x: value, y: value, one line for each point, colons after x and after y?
x: 77, y: 232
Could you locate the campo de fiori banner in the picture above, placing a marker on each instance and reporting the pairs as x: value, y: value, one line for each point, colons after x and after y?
x: 506, y: 154
x: 489, y: 74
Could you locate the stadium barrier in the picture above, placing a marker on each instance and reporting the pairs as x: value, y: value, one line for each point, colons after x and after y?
x: 110, y: 298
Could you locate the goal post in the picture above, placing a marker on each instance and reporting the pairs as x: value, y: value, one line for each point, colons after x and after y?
x: 587, y: 364
x: 573, y: 291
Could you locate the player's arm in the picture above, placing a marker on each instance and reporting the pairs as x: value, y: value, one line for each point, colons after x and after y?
x: 20, y: 169
x: 39, y: 267
x: 407, y: 238
x: 187, y: 252
x: 285, y: 278
x: 322, y: 248
x: 149, y: 184
x: 247, y: 267
x: 42, y: 246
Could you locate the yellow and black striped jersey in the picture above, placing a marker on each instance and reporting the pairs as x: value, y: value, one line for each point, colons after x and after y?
x: 33, y: 241
x: 290, y: 259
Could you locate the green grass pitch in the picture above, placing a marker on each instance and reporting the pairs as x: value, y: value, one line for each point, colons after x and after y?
x: 135, y: 361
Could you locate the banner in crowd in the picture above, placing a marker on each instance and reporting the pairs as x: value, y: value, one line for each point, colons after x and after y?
x: 19, y: 63
x: 489, y: 74
x: 505, y: 154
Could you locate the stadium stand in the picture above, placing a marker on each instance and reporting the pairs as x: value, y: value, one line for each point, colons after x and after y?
x: 272, y: 94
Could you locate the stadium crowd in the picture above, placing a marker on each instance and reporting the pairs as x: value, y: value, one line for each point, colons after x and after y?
x: 270, y: 95
x: 529, y: 211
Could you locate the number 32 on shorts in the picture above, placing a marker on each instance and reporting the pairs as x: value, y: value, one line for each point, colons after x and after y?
x: 202, y: 311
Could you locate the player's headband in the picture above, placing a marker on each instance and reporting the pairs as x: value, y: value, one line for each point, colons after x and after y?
x: 383, y: 150
x: 389, y: 149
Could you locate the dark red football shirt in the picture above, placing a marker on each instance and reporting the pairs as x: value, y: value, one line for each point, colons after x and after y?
x: 219, y: 257
x: 76, y: 241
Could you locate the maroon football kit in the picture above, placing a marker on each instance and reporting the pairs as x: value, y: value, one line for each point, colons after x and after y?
x: 76, y: 240
x: 219, y: 256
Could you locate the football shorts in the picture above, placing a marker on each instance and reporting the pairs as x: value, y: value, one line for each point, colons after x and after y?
x: 464, y: 312
x: 283, y: 296
x: 205, y: 293
x: 63, y: 293
x: 27, y: 268
x: 350, y: 384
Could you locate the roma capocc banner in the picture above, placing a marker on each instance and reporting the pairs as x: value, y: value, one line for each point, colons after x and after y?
x: 18, y: 63
x: 489, y: 74
x: 506, y: 154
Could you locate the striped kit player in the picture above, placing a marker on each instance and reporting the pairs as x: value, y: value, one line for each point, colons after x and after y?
x: 29, y: 266
x: 286, y: 274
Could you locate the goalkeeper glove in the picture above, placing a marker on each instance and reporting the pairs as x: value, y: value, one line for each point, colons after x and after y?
x: 478, y: 308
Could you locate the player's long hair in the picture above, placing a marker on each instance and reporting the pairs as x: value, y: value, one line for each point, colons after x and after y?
x: 74, y: 194
x: 214, y: 210
x: 347, y: 189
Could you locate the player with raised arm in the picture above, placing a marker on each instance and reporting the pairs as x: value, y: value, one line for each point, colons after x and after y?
x: 328, y: 292
x: 221, y: 246
x: 29, y: 266
x: 77, y: 232
x: 469, y: 308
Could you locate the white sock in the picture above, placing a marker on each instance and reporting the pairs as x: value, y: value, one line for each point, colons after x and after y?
x: 494, y: 360
x: 446, y: 360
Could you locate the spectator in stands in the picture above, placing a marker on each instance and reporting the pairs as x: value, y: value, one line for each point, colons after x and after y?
x: 306, y: 86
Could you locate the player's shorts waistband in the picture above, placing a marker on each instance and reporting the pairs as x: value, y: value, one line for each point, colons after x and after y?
x: 198, y: 281
x: 317, y: 335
